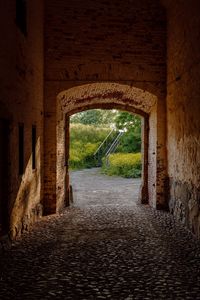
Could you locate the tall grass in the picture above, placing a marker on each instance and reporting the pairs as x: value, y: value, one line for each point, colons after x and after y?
x: 84, y: 140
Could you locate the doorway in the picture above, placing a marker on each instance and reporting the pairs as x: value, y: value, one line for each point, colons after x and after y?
x: 116, y: 150
x: 110, y: 96
x: 4, y: 175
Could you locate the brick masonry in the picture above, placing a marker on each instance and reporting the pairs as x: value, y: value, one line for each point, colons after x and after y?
x: 136, y: 44
x: 183, y: 111
x: 21, y: 101
x: 102, y: 42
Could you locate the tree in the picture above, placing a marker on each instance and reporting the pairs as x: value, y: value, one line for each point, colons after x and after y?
x: 131, y: 140
x: 127, y: 120
x: 94, y: 117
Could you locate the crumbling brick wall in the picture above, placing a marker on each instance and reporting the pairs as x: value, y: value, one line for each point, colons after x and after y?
x: 183, y: 111
x: 21, y: 102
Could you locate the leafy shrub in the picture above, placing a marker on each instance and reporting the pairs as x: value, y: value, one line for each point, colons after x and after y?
x: 81, y: 155
x: 84, y: 140
x: 130, y: 142
x: 87, y: 133
x: 127, y: 165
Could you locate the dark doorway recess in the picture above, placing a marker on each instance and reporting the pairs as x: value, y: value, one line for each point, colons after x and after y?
x: 21, y: 149
x: 4, y: 175
x: 33, y: 147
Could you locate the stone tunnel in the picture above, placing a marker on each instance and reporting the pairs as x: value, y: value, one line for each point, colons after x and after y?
x: 61, y: 57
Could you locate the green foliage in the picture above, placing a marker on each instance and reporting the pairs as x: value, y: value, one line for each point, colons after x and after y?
x: 130, y: 121
x: 88, y: 131
x: 130, y: 143
x: 84, y: 140
x: 95, y: 117
x: 131, y: 140
x: 81, y: 155
x: 122, y: 164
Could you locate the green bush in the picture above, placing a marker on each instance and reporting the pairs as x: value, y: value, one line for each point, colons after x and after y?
x: 130, y: 142
x: 127, y: 165
x: 84, y: 140
x: 87, y: 133
x: 81, y: 155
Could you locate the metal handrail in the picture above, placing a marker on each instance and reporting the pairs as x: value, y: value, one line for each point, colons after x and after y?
x: 109, y: 147
x: 114, y: 143
x: 113, y: 147
x: 101, y: 145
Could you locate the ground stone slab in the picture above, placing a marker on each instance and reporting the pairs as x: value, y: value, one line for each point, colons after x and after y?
x: 105, y: 246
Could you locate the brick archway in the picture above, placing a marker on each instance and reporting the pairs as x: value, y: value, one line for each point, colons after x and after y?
x: 107, y: 95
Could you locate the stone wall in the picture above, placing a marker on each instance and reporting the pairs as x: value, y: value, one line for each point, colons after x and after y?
x: 84, y: 43
x: 183, y: 111
x: 100, y: 41
x: 21, y: 102
x: 93, y: 42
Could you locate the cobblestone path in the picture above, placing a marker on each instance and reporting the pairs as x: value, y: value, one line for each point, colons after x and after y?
x: 104, y: 247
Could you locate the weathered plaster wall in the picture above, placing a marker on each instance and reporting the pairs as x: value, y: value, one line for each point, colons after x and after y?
x: 21, y: 101
x: 100, y: 41
x: 183, y: 111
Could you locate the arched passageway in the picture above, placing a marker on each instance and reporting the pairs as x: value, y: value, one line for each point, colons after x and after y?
x: 144, y: 118
x: 110, y: 95
x: 151, y: 45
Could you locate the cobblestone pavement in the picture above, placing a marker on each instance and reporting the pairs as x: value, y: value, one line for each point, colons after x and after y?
x: 104, y: 247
